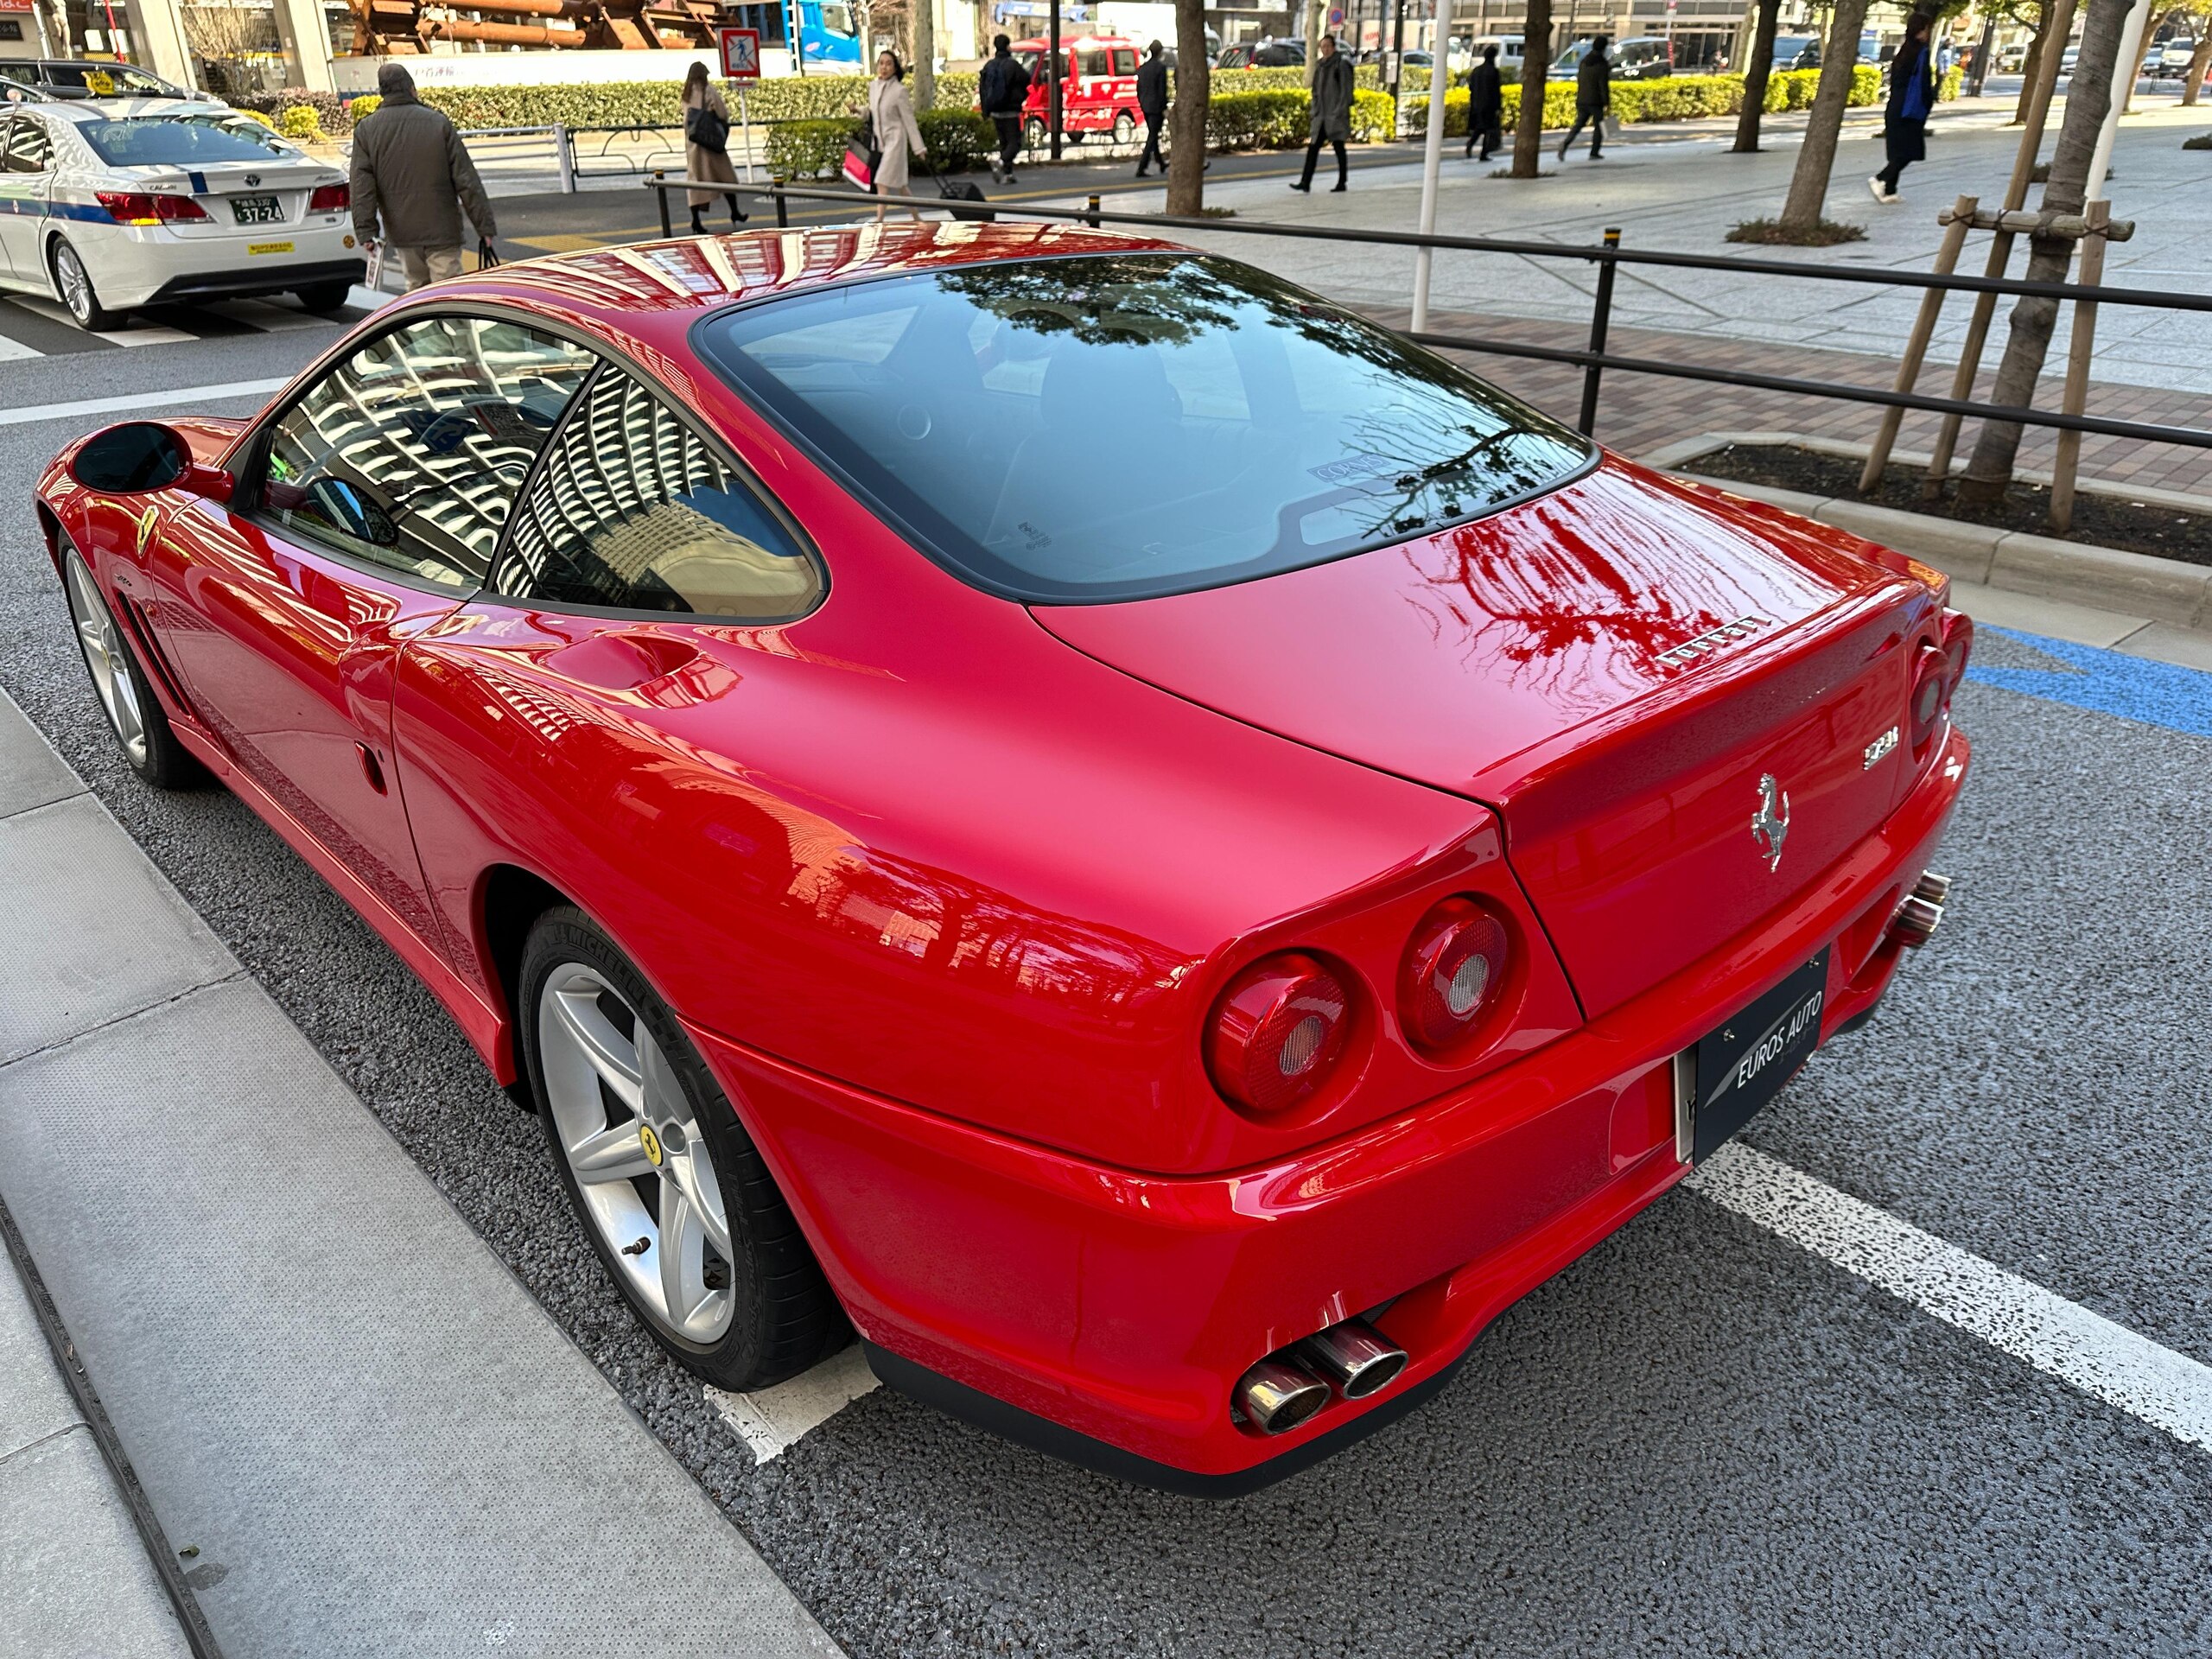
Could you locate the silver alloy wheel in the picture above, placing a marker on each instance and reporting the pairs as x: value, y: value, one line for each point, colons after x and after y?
x: 76, y: 286
x: 103, y: 648
x: 641, y: 1163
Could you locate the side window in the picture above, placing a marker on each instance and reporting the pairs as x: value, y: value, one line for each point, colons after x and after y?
x: 28, y: 148
x: 1125, y: 61
x: 1091, y: 61
x: 634, y: 512
x: 408, y: 453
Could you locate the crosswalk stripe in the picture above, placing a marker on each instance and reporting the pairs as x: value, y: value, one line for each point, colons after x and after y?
x: 33, y: 325
x: 138, y: 400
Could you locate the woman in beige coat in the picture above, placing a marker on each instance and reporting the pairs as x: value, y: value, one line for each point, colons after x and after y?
x: 704, y: 161
x: 891, y: 113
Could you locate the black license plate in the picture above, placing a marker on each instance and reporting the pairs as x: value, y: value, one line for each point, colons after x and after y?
x: 258, y: 210
x: 1735, y: 1069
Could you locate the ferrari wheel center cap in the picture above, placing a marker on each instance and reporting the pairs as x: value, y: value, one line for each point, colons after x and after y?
x: 651, y: 1141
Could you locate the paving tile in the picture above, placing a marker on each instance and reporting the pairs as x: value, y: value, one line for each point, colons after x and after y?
x: 35, y: 1402
x: 78, y: 1584
x: 31, y: 774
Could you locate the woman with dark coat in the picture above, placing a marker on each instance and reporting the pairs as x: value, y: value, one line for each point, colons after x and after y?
x: 1593, y: 96
x: 1904, y: 120
x: 1485, y: 103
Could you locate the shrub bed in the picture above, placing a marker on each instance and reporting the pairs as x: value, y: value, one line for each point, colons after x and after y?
x: 957, y: 139
x: 1672, y: 97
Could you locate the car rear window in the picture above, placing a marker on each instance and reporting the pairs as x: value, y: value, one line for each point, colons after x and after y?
x: 1113, y: 427
x: 182, y: 141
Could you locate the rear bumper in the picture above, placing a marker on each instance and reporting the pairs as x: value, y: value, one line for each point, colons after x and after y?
x: 241, y: 284
x: 1105, y: 1315
x: 135, y: 265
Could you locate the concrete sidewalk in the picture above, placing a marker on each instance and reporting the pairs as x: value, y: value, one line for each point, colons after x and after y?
x: 371, y: 1436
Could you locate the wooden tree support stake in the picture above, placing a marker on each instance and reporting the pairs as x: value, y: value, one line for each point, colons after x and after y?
x: 1923, y: 329
x: 2076, y: 396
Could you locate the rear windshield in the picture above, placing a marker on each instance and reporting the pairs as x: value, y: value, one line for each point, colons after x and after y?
x: 183, y: 141
x: 1120, y: 426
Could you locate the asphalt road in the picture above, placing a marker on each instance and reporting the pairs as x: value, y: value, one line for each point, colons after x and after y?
x: 1697, y: 1440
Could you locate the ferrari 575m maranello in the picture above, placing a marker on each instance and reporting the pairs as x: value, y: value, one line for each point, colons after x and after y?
x: 1154, y: 849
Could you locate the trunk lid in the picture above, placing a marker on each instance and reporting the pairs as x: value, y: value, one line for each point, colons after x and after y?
x: 1614, y: 667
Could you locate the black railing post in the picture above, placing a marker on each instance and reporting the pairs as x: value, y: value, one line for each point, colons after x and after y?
x: 1600, y: 317
x: 660, y: 189
x: 783, y: 205
x: 1090, y: 216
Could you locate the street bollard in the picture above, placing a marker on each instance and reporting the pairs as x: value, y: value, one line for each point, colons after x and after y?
x: 564, y: 158
x: 660, y: 189
x: 1091, y: 218
x: 1600, y: 318
x: 783, y: 207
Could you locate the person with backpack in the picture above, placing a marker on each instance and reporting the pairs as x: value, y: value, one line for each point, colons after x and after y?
x: 706, y: 145
x: 1002, y: 90
x: 1593, y: 97
x: 1905, y: 118
x: 1485, y: 104
x: 1152, y: 104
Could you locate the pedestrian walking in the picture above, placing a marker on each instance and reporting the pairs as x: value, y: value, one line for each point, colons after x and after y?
x: 1593, y: 97
x: 706, y: 145
x: 1905, y: 118
x: 411, y: 170
x: 1003, y: 90
x: 1485, y: 104
x: 1331, y: 115
x: 1152, y: 104
x: 892, y: 114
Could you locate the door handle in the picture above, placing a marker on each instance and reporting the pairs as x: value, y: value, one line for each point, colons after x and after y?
x: 371, y: 768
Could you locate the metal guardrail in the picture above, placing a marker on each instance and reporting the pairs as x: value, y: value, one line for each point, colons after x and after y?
x: 1608, y: 257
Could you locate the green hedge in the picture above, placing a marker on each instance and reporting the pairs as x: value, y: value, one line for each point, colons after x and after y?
x: 1671, y: 97
x: 1274, y: 120
x: 957, y: 139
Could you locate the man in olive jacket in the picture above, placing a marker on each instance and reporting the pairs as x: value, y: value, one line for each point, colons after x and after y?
x: 1331, y: 118
x: 410, y: 166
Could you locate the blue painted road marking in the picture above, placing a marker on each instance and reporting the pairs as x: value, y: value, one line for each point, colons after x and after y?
x: 2109, y: 681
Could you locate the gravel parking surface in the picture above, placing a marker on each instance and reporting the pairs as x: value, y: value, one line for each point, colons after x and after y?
x: 1697, y: 1440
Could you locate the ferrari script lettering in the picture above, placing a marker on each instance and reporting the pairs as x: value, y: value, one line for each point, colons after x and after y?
x: 1690, y: 650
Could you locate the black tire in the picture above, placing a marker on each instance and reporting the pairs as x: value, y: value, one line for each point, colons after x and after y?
x: 323, y: 298
x: 72, y: 286
x: 1125, y: 129
x: 782, y: 1315
x: 1033, y: 133
x: 153, y: 753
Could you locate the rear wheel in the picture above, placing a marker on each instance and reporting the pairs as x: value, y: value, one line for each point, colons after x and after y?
x: 679, y: 1206
x: 133, y: 712
x: 1032, y: 133
x: 323, y: 298
x: 1125, y: 129
x: 74, y: 284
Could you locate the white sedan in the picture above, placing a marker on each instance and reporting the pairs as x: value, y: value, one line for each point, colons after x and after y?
x: 114, y: 203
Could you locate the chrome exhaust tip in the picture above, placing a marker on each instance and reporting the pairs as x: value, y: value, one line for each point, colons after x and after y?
x: 1354, y: 1355
x: 1915, y: 922
x: 1935, y: 889
x: 1276, y: 1395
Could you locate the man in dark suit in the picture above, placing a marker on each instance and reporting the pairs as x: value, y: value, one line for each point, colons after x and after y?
x: 1151, y: 103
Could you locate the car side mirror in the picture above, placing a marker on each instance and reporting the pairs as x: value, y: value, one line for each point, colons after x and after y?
x: 133, y: 459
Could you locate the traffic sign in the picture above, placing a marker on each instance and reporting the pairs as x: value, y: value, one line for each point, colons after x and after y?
x: 740, y: 53
x: 1336, y: 17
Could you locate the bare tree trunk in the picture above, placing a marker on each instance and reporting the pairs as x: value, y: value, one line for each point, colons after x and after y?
x: 1757, y: 68
x: 925, y: 55
x: 1808, y: 185
x: 2030, y: 64
x: 1528, y: 130
x: 2088, y: 97
x: 2199, y: 61
x: 1186, y: 159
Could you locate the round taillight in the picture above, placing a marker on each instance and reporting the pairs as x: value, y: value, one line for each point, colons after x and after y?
x: 1454, y: 972
x: 1278, y: 1031
x: 1958, y: 646
x: 1930, y: 691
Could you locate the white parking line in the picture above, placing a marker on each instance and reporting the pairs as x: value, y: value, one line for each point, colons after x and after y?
x: 775, y: 1420
x: 138, y: 400
x: 2165, y: 1390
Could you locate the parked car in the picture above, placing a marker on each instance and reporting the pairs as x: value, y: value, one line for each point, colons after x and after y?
x: 1641, y: 57
x: 96, y: 77
x: 2170, y: 61
x: 1509, y: 53
x: 1796, y: 52
x: 108, y: 204
x: 1169, y: 968
x: 1097, y: 94
x: 1262, y: 54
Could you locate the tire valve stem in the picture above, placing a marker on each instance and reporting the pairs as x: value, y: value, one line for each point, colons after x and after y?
x: 638, y: 1248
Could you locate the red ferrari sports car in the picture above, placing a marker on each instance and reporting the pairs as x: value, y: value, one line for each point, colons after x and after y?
x: 1166, y: 969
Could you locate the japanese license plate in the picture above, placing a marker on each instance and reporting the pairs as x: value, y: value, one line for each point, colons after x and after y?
x: 258, y: 210
x: 1735, y: 1069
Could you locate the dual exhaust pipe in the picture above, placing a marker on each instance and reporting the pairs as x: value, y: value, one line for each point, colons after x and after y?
x: 1286, y: 1389
x: 1922, y: 912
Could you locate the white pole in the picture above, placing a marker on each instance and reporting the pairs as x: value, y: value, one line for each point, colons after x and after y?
x: 1431, y: 160
x: 745, y: 127
x: 2131, y: 43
